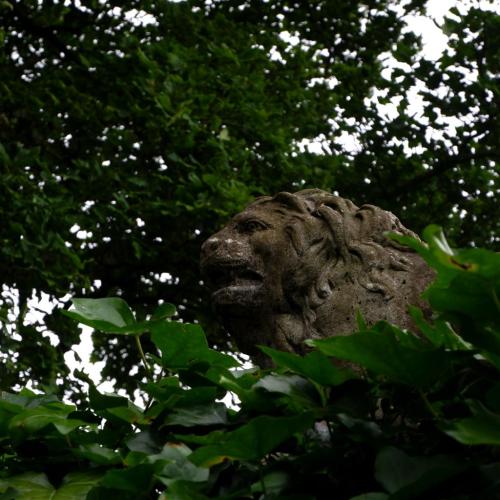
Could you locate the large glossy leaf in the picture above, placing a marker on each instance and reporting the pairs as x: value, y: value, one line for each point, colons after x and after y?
x: 483, y: 428
x: 136, y: 479
x: 170, y: 395
x: 98, y: 454
x: 314, y: 365
x: 300, y: 392
x: 271, y: 484
x: 253, y: 440
x: 131, y: 414
x: 77, y: 485
x: 440, y: 333
x: 173, y: 464
x: 100, y: 401
x: 467, y: 281
x: 143, y: 442
x: 29, y: 486
x: 212, y: 414
x: 32, y: 486
x: 182, y: 344
x: 32, y: 420
x: 164, y: 311
x: 182, y: 490
x: 409, y: 477
x: 116, y: 407
x: 109, y: 315
x: 381, y: 352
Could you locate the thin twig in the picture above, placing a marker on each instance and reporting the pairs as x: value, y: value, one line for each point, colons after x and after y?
x: 143, y: 357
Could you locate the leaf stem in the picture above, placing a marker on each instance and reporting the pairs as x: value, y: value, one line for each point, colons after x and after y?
x: 143, y: 357
x: 428, y: 404
x: 68, y: 441
x: 495, y: 298
x: 262, y: 482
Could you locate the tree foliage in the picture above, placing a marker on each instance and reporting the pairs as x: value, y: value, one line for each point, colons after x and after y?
x: 414, y: 417
x: 130, y: 130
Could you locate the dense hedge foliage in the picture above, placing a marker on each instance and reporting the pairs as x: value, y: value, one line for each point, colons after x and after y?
x: 419, y: 417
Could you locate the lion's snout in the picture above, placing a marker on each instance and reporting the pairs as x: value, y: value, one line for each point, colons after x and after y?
x: 223, y: 248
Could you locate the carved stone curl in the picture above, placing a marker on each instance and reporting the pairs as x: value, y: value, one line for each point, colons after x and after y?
x: 298, y: 266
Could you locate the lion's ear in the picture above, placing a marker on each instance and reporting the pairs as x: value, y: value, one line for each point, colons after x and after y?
x: 292, y: 201
x: 322, y: 288
x: 336, y: 225
x: 297, y: 237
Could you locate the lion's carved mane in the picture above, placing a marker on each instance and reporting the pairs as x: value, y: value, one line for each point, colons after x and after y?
x: 298, y: 266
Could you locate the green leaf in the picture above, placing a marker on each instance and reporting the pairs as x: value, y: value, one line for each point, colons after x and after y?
x: 483, y: 428
x: 111, y: 405
x: 136, y: 479
x: 360, y: 321
x: 284, y: 384
x: 20, y: 400
x: 9, y: 494
x: 271, y: 484
x: 32, y: 420
x: 213, y: 414
x: 111, y: 315
x: 254, y: 440
x: 77, y: 485
x: 29, y: 486
x: 380, y: 351
x: 164, y: 311
x: 315, y: 366
x: 299, y: 392
x: 143, y: 442
x: 213, y: 437
x: 440, y: 334
x: 467, y: 281
x: 131, y: 414
x: 98, y: 454
x: 410, y: 477
x: 32, y: 486
x: 182, y: 490
x: 175, y: 465
x: 361, y: 430
x: 183, y: 343
x: 100, y: 401
x: 170, y: 396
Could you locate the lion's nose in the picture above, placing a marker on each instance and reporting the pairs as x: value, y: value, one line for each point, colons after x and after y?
x: 222, y: 248
x: 210, y: 245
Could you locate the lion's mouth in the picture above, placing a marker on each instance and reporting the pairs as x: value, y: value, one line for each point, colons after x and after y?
x: 224, y: 278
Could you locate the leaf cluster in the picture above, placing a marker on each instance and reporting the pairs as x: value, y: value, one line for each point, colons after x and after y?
x: 379, y: 414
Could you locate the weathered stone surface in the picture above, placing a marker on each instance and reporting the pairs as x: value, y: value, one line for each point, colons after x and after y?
x: 299, y: 266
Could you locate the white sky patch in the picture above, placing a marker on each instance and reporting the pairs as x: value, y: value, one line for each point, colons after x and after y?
x: 83, y: 351
x: 84, y: 235
x: 291, y: 38
x: 87, y: 206
x: 140, y: 18
x: 275, y: 55
x: 163, y: 277
x: 433, y: 39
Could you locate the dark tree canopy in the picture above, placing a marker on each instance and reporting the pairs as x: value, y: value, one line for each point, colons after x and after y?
x: 130, y: 131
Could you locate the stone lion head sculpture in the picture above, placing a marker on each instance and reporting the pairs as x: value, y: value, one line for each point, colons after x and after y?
x: 298, y: 266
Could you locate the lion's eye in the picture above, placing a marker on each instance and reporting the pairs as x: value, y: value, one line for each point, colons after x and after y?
x: 251, y: 226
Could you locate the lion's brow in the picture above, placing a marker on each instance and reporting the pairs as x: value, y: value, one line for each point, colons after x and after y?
x: 250, y: 216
